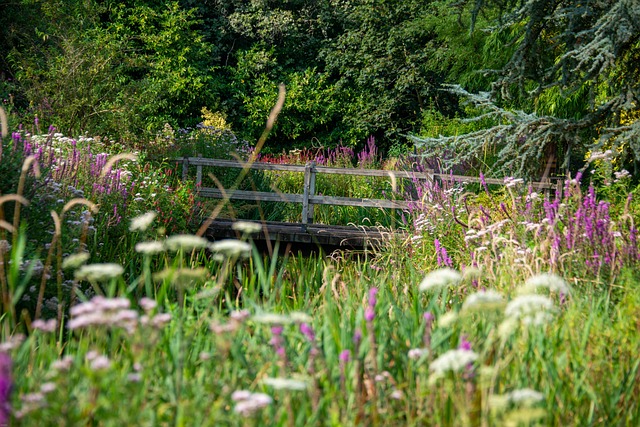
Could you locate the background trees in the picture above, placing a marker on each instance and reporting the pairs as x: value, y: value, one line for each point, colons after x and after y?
x: 549, y: 79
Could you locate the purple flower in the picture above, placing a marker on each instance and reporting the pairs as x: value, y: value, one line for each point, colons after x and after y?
x: 357, y: 336
x: 345, y: 355
x: 6, y: 384
x: 369, y: 314
x: 465, y: 344
x: 307, y: 331
x: 372, y: 297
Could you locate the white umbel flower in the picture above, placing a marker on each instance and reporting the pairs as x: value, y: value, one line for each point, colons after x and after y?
x: 142, y: 222
x: 185, y: 242
x: 439, y: 279
x: 453, y: 360
x: 246, y: 227
x: 248, y: 403
x: 285, y: 384
x: 488, y: 299
x: 75, y: 260
x: 530, y: 309
x: 231, y: 248
x: 525, y: 396
x: 149, y: 248
x: 550, y: 281
x: 99, y: 272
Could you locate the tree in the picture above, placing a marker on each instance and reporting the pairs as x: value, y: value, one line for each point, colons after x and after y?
x: 110, y: 68
x: 570, y: 86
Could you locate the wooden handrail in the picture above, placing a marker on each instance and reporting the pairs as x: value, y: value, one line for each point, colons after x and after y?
x: 310, y: 170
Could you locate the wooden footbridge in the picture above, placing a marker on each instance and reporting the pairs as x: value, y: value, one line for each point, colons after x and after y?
x: 307, y: 233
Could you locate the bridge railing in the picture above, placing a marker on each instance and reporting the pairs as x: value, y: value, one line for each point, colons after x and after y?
x: 309, y: 198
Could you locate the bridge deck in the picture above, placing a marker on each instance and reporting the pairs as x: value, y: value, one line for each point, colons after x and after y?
x: 348, y: 237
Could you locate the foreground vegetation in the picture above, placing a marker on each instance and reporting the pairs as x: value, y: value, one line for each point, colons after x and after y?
x: 503, y: 306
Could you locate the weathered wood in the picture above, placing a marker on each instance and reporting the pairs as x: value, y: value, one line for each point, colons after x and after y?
x: 263, y: 196
x: 300, y: 168
x: 258, y: 196
x: 348, y: 237
x: 308, y: 172
x: 199, y: 173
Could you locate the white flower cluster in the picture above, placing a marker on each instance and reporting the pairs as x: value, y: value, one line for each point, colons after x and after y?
x: 453, y: 360
x: 285, y: 384
x: 99, y: 272
x: 439, y: 279
x: 530, y: 309
x: 248, y: 403
x: 142, y: 222
x: 114, y: 313
x: 101, y: 311
x: 550, y: 281
x: 482, y: 300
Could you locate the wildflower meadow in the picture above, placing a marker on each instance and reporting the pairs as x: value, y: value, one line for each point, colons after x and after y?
x: 495, y: 306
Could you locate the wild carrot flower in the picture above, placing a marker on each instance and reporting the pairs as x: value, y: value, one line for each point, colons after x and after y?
x: 142, y: 222
x: 246, y: 227
x: 439, y: 279
x: 231, y: 248
x: 185, y: 242
x: 272, y: 319
x: 99, y: 272
x: 248, y: 403
x: 75, y: 260
x: 149, y: 248
x: 453, y: 360
x: 525, y: 397
x: 530, y: 309
x: 551, y: 281
x: 285, y: 384
x: 482, y: 300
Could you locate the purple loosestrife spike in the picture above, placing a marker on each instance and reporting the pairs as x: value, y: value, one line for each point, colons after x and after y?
x: 465, y: 344
x: 345, y: 355
x: 372, y: 297
x: 357, y: 337
x: 6, y: 384
x: 307, y: 331
x: 369, y: 314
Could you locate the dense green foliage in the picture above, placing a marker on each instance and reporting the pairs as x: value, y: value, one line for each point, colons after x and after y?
x: 353, y: 68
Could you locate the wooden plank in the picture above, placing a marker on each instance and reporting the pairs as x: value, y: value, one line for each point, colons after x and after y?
x: 250, y: 195
x: 300, y: 168
x: 318, y: 234
x: 363, y: 203
x: 242, y: 165
x: 308, y: 171
x: 299, y: 198
x: 493, y: 181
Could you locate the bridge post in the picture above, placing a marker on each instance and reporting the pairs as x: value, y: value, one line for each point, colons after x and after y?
x: 308, y: 190
x: 185, y: 168
x: 199, y: 174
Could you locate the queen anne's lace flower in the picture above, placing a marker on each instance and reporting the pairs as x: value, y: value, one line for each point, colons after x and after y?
x: 142, y: 222
x: 453, y: 360
x: 99, y: 272
x: 439, y: 279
